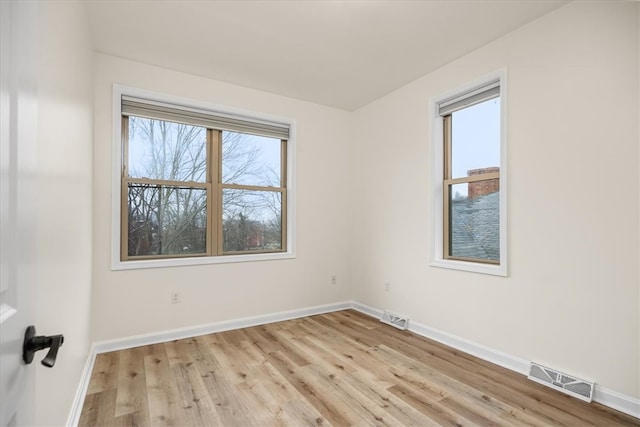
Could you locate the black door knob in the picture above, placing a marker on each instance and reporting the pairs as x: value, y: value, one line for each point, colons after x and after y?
x: 33, y: 343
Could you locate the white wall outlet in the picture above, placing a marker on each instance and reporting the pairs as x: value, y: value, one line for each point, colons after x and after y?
x: 175, y: 297
x: 334, y: 279
x: 387, y: 286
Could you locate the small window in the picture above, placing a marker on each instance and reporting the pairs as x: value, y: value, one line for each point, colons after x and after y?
x: 200, y: 183
x: 472, y: 230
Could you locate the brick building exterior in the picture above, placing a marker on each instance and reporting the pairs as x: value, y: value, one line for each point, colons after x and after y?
x: 480, y: 188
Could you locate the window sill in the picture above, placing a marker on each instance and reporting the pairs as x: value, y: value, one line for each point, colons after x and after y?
x: 181, y: 262
x: 494, y: 270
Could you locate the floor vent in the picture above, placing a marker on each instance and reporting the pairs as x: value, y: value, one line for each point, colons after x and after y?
x: 394, y: 320
x: 568, y: 384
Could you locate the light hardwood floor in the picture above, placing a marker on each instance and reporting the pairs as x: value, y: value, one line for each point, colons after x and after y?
x: 338, y: 369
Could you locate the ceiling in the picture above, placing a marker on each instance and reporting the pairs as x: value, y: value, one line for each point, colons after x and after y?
x: 343, y: 54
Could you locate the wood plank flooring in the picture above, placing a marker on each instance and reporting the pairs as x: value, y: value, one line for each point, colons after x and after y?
x: 336, y: 369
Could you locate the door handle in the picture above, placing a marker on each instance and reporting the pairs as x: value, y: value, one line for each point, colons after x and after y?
x: 33, y: 343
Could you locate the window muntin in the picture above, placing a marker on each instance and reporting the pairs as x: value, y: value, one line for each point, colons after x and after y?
x: 471, y: 180
x: 190, y: 190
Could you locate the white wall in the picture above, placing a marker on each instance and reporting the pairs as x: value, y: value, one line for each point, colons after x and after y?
x: 64, y: 175
x: 571, y: 298
x: 127, y: 303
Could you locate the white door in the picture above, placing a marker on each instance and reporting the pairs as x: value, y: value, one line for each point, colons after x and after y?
x: 18, y: 109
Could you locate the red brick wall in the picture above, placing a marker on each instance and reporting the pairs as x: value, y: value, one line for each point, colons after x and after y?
x: 480, y: 188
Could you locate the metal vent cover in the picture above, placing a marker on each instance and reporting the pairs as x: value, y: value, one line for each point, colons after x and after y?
x: 394, y: 320
x: 560, y: 381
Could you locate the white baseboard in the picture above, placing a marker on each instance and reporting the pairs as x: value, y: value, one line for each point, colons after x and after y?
x: 606, y: 397
x: 617, y: 401
x: 174, y: 334
x: 227, y: 325
x: 81, y: 392
x: 483, y: 352
x: 373, y: 312
x: 609, y: 398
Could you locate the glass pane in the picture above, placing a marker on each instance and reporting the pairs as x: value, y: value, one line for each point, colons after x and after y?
x: 250, y: 159
x: 167, y: 151
x: 251, y: 220
x: 475, y: 139
x: 166, y: 220
x: 474, y: 226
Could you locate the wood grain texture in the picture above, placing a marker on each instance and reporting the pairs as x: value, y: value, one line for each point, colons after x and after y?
x: 336, y: 369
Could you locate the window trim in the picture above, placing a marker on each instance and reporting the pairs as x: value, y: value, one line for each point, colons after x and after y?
x: 288, y: 210
x: 438, y: 258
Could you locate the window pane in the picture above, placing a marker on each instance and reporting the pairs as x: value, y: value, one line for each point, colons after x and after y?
x: 250, y: 159
x: 166, y: 150
x: 474, y: 226
x: 166, y: 220
x: 251, y: 220
x: 475, y: 139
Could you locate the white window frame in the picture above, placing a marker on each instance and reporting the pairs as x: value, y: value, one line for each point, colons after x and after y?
x: 437, y: 179
x: 116, y: 172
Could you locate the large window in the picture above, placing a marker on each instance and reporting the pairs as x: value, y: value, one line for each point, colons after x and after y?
x: 200, y: 183
x: 471, y: 228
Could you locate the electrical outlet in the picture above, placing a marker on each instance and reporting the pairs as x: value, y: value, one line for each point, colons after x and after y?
x: 334, y: 279
x: 387, y: 286
x: 175, y: 297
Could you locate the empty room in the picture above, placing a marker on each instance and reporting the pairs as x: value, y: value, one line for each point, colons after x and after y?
x: 327, y: 213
